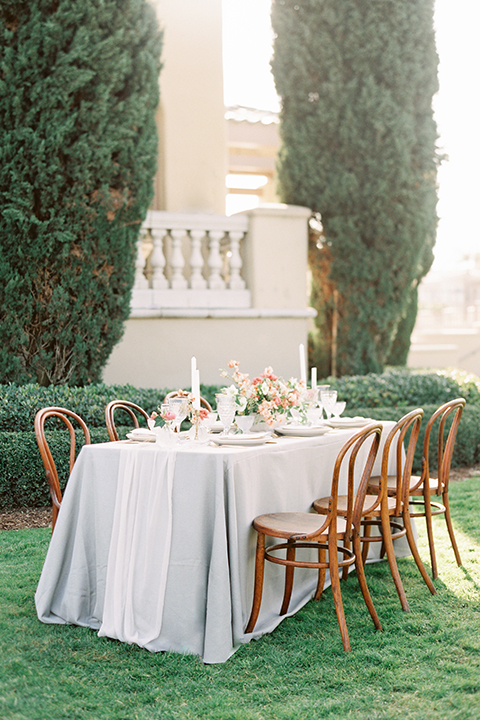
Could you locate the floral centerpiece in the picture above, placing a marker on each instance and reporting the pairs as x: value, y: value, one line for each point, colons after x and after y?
x: 267, y: 395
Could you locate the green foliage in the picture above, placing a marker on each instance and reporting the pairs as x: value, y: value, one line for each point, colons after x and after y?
x: 22, y: 474
x: 400, y: 389
x: 78, y: 148
x: 400, y: 347
x: 20, y: 403
x: 356, y: 79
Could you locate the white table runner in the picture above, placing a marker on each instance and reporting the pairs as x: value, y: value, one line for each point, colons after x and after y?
x: 140, y: 546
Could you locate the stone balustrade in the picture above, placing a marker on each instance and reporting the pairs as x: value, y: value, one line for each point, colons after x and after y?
x: 219, y: 288
x: 190, y: 260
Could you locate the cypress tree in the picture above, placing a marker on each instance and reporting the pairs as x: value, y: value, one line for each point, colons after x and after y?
x: 356, y: 80
x: 78, y: 148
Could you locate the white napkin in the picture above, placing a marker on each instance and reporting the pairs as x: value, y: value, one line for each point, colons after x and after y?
x: 142, y: 433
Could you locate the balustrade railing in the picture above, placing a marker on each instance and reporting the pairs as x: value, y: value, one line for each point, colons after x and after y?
x: 190, y: 261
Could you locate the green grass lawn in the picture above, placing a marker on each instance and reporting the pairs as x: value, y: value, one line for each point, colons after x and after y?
x: 426, y: 663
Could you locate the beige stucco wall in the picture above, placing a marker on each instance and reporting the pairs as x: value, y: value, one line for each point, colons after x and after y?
x: 191, y: 122
x: 156, y: 352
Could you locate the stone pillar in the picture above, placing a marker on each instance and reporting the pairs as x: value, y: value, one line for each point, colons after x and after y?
x: 276, y: 256
x: 191, y: 118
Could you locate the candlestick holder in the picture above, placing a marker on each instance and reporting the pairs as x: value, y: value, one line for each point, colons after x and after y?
x: 195, y: 420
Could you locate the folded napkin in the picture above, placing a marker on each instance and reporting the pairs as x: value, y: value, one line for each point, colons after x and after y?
x: 141, y: 434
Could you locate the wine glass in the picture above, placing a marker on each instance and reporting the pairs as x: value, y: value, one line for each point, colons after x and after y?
x: 328, y: 399
x: 339, y: 407
x: 226, y: 408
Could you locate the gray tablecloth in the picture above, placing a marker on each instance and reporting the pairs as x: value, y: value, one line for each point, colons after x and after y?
x: 215, y: 493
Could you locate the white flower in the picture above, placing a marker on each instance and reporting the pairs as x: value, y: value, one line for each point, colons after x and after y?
x: 265, y: 387
x: 242, y: 403
x: 232, y: 390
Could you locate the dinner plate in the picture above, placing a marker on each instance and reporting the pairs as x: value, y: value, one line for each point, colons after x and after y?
x: 244, y: 439
x: 142, y: 436
x: 302, y: 430
x: 349, y: 422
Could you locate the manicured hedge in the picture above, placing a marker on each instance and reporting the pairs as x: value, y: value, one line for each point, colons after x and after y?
x: 384, y: 397
x: 403, y: 388
x: 20, y: 403
x: 22, y: 474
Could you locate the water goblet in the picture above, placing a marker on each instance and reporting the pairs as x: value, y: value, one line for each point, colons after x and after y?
x: 178, y: 407
x: 328, y: 399
x: 226, y: 408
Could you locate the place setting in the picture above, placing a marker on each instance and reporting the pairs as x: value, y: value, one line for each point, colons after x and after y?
x: 249, y: 411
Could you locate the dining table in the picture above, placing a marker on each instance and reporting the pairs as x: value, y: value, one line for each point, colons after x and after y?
x: 154, y: 544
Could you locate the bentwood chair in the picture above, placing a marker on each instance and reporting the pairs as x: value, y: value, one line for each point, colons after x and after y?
x: 181, y: 393
x: 384, y: 511
x: 423, y: 487
x: 127, y: 407
x: 328, y: 535
x: 65, y: 416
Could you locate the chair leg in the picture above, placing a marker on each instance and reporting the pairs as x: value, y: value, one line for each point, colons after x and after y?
x: 258, y: 586
x: 431, y: 542
x: 346, y: 568
x: 448, y: 520
x: 289, y: 569
x: 322, y: 557
x: 54, y: 516
x: 414, y: 550
x: 367, y: 529
x: 387, y: 540
x: 362, y: 580
x: 337, y: 594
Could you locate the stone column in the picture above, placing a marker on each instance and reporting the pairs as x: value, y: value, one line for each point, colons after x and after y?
x: 191, y: 118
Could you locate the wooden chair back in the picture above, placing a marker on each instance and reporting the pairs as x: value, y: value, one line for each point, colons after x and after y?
x: 65, y: 416
x: 445, y: 446
x: 355, y: 496
x: 123, y: 405
x: 181, y: 393
x: 406, y: 430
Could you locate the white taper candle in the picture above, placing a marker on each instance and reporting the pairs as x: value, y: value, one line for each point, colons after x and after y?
x: 303, y: 364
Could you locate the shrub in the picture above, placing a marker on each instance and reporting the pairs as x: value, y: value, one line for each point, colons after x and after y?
x: 356, y: 79
x: 20, y: 403
x: 22, y: 473
x: 401, y: 388
x: 78, y: 149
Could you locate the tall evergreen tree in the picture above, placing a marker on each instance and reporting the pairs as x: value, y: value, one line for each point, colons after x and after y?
x: 356, y: 79
x: 78, y: 148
